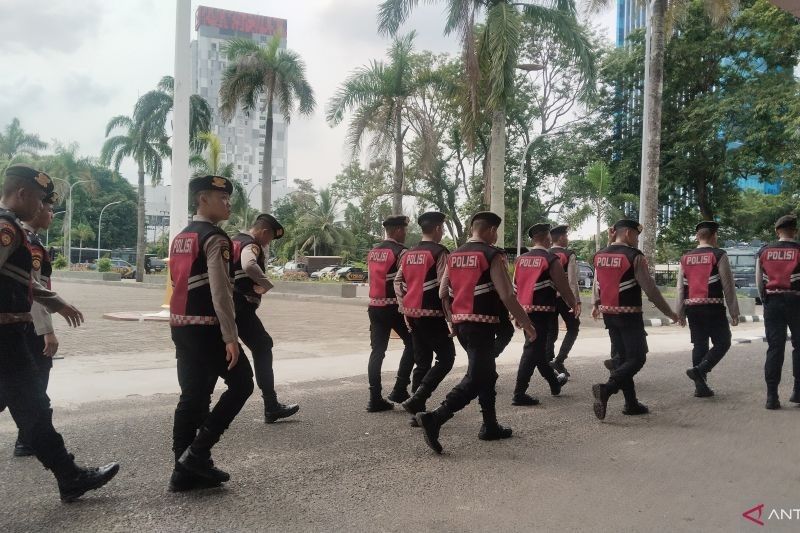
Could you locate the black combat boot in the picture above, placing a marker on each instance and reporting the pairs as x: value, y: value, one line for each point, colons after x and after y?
x: 558, y: 366
x: 491, y: 429
x: 182, y: 481
x: 601, y: 392
x: 609, y: 364
x: 276, y: 411
x: 431, y: 423
x: 376, y: 402
x: 416, y: 403
x: 772, y: 398
x: 698, y: 375
x: 74, y: 481
x: 634, y: 409
x: 795, y: 398
x: 197, y: 458
x: 399, y: 394
x: 524, y: 399
x: 555, y: 387
x: 22, y: 450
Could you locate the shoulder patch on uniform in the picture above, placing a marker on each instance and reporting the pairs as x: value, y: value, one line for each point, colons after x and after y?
x: 226, y: 254
x: 7, y: 233
x: 256, y: 249
x: 37, y: 262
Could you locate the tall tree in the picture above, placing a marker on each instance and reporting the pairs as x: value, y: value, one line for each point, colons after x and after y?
x: 82, y: 232
x: 14, y: 140
x: 147, y: 148
x: 379, y: 95
x: 274, y: 73
x: 153, y: 108
x: 318, y: 231
x: 491, y: 59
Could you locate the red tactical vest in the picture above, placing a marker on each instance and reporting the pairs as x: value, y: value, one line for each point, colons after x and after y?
x: 564, y: 255
x: 422, y: 280
x: 616, y: 280
x: 41, y: 259
x: 474, y: 297
x: 701, y: 277
x: 191, y: 302
x: 242, y: 284
x: 780, y: 263
x: 16, y: 290
x: 382, y: 263
x: 535, y: 291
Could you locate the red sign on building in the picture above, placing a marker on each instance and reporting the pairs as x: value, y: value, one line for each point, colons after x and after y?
x: 241, y: 22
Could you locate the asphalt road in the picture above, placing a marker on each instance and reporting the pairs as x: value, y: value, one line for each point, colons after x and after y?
x: 691, y: 465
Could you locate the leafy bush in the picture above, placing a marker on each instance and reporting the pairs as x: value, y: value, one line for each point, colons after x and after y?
x: 60, y: 262
x: 104, y: 264
x: 295, y: 276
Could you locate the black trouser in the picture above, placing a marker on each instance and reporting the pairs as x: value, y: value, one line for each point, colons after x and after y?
x: 382, y: 320
x: 23, y: 392
x: 573, y: 324
x: 431, y: 335
x: 43, y: 363
x: 255, y: 337
x: 781, y: 311
x: 201, y: 354
x: 630, y: 340
x: 708, y: 322
x: 534, y: 353
x: 478, y: 340
x: 504, y: 333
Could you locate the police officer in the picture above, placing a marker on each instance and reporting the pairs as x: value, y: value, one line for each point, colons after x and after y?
x: 42, y: 341
x: 417, y: 287
x: 21, y: 387
x: 621, y: 274
x: 384, y: 315
x: 705, y: 283
x: 204, y: 331
x: 778, y: 280
x: 250, y: 283
x: 537, y: 277
x: 571, y: 317
x: 477, y: 275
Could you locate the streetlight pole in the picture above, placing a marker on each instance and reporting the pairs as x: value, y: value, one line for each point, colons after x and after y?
x: 68, y: 220
x: 100, y: 225
x: 47, y: 233
x: 247, y: 205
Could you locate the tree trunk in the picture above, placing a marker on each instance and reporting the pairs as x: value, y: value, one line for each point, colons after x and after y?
x: 140, y: 235
x: 266, y: 164
x: 80, y: 249
x: 397, y: 188
x: 651, y: 129
x: 497, y: 174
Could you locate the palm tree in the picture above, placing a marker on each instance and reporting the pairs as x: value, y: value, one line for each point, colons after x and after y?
x: 379, y: 95
x: 153, y: 109
x: 274, y: 73
x: 660, y: 17
x: 148, y: 149
x: 15, y: 141
x: 82, y: 232
x: 491, y: 59
x: 210, y: 162
x: 318, y: 229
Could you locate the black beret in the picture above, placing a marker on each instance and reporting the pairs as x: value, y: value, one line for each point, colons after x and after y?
x: 395, y: 221
x: 628, y: 223
x: 210, y: 183
x: 707, y: 224
x: 273, y: 222
x: 786, y: 221
x: 434, y: 217
x: 32, y: 176
x: 492, y: 218
x: 542, y: 227
x: 559, y: 230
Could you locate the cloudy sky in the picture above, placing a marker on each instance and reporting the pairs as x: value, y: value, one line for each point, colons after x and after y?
x: 70, y: 65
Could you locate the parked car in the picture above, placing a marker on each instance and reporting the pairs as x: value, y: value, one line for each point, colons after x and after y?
x: 276, y: 271
x: 352, y: 274
x: 293, y: 266
x: 154, y: 264
x: 585, y: 275
x: 324, y: 273
x: 743, y: 266
x: 125, y: 269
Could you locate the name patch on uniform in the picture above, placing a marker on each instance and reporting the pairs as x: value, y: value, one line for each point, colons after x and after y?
x: 415, y: 259
x: 183, y: 245
x: 698, y: 259
x: 781, y: 255
x: 609, y: 261
x: 378, y: 256
x: 530, y: 262
x: 464, y: 261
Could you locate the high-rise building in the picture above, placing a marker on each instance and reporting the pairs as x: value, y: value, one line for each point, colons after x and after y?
x: 630, y: 16
x: 243, y: 137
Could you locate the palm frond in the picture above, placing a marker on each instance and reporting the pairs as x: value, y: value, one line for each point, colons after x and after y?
x: 362, y: 87
x: 120, y: 121
x: 393, y: 13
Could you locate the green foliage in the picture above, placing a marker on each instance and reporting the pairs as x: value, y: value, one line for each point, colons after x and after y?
x: 104, y: 264
x: 15, y: 141
x: 60, y: 262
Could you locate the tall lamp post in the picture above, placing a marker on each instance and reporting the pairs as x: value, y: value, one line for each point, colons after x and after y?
x: 68, y: 220
x: 100, y: 224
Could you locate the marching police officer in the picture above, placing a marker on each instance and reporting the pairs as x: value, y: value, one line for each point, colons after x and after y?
x: 21, y: 387
x: 42, y: 341
x: 382, y: 262
x: 705, y: 283
x: 204, y: 331
x: 571, y: 317
x: 250, y: 283
x: 477, y: 275
x: 778, y: 280
x: 537, y: 277
x: 621, y: 274
x: 417, y: 287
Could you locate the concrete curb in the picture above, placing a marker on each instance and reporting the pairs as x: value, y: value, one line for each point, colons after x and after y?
x: 757, y: 338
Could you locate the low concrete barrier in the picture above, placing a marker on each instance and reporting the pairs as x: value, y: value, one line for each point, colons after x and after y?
x: 341, y: 290
x: 89, y: 276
